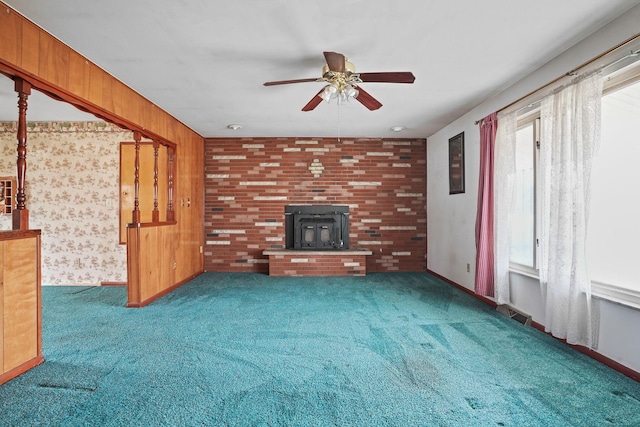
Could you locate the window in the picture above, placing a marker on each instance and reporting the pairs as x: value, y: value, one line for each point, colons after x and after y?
x: 523, y: 223
x: 613, y: 242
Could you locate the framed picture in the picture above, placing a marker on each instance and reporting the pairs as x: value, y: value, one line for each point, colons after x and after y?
x: 456, y: 164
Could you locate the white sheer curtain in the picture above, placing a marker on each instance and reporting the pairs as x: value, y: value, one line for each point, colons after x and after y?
x: 504, y: 180
x: 570, y: 133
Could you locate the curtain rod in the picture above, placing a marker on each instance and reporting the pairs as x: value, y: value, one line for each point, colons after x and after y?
x: 574, y: 71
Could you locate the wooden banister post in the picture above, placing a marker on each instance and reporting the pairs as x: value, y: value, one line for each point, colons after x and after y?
x: 136, y: 179
x: 20, y: 219
x: 155, y: 215
x: 171, y: 170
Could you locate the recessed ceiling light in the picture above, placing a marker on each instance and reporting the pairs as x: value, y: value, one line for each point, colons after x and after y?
x: 234, y: 127
x: 396, y: 128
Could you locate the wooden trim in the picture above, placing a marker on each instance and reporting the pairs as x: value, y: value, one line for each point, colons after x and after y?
x: 18, y: 234
x: 161, y: 294
x: 19, y: 370
x: 39, y: 289
x: 113, y: 283
x: 634, y: 375
x: 133, y: 262
x: 152, y: 224
x: 462, y: 288
x: 617, y: 366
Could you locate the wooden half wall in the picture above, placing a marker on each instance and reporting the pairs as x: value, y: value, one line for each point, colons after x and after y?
x: 30, y: 53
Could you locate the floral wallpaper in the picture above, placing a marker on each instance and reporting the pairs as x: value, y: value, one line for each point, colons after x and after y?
x: 72, y: 189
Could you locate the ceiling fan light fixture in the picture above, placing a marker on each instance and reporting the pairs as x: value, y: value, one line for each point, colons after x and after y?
x: 351, y: 91
x: 330, y: 92
x: 343, y: 83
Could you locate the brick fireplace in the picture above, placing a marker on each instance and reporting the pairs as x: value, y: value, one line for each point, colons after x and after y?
x: 250, y: 181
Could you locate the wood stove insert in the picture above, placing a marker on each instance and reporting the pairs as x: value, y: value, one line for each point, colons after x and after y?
x: 317, y: 227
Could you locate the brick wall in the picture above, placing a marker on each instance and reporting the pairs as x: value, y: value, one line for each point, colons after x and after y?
x: 249, y: 181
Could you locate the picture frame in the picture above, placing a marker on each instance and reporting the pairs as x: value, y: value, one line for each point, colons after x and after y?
x: 456, y: 164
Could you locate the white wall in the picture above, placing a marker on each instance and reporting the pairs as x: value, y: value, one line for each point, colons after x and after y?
x: 451, y: 218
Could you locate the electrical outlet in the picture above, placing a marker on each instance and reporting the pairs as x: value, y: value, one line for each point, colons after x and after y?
x: 468, y: 268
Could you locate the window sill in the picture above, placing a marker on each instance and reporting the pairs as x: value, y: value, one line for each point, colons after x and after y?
x: 615, y: 294
x: 523, y: 270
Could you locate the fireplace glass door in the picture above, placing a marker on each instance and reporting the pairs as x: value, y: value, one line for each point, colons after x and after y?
x: 317, y: 234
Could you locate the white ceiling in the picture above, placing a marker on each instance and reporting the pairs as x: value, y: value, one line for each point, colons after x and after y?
x: 204, y: 61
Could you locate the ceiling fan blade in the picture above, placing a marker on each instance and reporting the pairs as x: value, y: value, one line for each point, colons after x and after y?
x: 367, y: 100
x: 286, y: 82
x: 335, y: 61
x: 315, y: 101
x: 392, y: 77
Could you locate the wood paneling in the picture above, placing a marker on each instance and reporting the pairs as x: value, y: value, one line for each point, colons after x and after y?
x: 31, y: 53
x: 20, y: 302
x: 54, y: 61
x: 78, y: 74
x: 133, y: 266
x: 152, y: 247
x: 11, y: 25
x: 30, y: 50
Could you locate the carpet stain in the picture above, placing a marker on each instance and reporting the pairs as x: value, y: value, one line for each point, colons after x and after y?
x: 464, y: 330
x: 625, y: 395
x: 68, y: 387
x: 474, y: 403
x: 435, y: 331
x: 318, y: 400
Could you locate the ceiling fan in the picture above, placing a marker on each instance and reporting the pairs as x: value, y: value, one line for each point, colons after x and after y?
x: 343, y: 83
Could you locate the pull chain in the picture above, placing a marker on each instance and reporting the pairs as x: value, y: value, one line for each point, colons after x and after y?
x: 339, y: 117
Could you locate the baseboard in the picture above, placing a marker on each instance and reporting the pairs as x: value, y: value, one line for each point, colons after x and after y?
x: 617, y: 366
x: 113, y: 283
x: 163, y: 293
x: 462, y: 288
x: 21, y: 369
x: 595, y: 355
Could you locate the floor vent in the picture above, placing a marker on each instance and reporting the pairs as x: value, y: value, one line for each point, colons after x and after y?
x: 521, y: 317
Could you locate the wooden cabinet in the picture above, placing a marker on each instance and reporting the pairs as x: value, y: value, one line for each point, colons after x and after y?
x: 20, y: 303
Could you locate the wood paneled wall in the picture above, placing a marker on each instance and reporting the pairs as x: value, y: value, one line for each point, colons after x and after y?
x: 150, y: 280
x: 20, y: 303
x: 29, y: 52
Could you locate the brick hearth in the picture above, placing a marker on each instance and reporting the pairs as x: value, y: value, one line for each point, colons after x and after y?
x: 287, y: 262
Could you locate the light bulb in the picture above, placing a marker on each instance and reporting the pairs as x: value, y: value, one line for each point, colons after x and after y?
x: 351, y: 92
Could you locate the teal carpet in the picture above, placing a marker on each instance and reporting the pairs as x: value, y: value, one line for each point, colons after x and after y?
x: 401, y: 349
